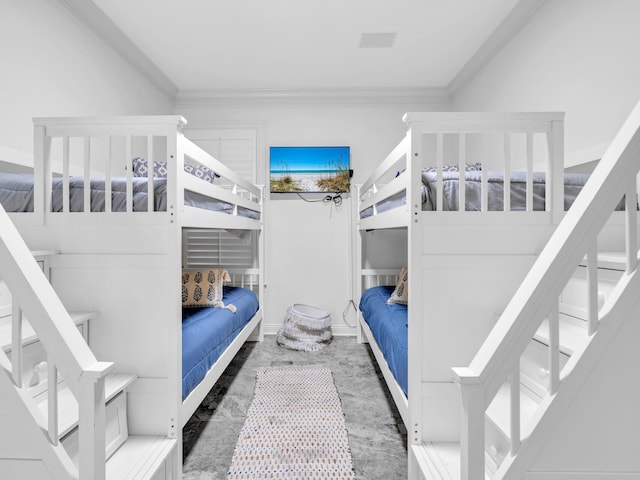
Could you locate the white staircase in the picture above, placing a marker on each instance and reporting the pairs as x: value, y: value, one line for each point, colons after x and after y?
x: 79, y: 429
x: 442, y: 459
x: 563, y: 322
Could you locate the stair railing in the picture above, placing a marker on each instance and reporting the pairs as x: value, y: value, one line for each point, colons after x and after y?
x: 67, y: 352
x: 498, y: 360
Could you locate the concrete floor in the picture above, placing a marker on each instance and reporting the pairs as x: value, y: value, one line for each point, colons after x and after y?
x: 376, y: 434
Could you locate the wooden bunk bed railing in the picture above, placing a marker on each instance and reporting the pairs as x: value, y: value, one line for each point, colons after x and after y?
x: 500, y: 142
x: 536, y: 301
x: 103, y: 149
x: 67, y: 353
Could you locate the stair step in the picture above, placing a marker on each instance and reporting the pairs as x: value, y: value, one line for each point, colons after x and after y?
x: 609, y: 260
x: 141, y: 457
x: 573, y: 333
x: 68, y: 405
x: 439, y: 460
x: 499, y: 410
x: 28, y: 334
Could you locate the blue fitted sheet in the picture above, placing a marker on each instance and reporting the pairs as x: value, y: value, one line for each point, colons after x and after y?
x: 388, y: 323
x: 207, y: 332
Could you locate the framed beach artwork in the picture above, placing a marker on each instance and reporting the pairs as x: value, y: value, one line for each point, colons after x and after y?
x: 309, y: 169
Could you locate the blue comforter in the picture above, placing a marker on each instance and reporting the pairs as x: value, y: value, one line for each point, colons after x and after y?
x: 388, y: 323
x: 207, y: 332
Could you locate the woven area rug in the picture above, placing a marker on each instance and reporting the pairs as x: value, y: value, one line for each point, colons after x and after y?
x: 294, y: 430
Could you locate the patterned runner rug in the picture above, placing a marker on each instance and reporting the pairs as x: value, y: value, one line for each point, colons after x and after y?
x: 294, y: 430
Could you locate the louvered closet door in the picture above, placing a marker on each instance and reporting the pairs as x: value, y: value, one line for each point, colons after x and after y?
x: 236, y: 148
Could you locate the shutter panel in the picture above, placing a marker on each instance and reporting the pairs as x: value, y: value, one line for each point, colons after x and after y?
x: 206, y: 247
x: 235, y: 147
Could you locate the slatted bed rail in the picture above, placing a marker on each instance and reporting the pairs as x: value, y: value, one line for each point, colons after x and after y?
x: 85, y: 166
x: 373, y: 277
x: 497, y: 147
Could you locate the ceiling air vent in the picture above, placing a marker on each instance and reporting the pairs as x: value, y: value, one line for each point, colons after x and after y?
x: 377, y: 40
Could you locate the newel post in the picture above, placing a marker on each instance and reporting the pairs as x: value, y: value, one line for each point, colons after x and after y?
x: 472, y: 461
x: 91, y: 424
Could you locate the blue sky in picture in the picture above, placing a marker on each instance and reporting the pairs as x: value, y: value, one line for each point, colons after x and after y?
x: 307, y: 159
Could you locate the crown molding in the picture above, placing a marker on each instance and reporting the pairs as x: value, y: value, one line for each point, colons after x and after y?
x: 96, y: 20
x: 344, y: 96
x: 513, y: 23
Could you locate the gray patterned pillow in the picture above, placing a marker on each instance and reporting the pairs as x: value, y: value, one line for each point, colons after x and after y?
x: 469, y: 167
x: 401, y: 293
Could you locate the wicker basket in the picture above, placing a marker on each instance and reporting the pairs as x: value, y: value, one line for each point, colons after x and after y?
x: 305, y: 328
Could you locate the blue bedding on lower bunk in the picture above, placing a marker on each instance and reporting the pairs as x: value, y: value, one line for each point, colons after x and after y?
x: 388, y: 323
x: 207, y: 332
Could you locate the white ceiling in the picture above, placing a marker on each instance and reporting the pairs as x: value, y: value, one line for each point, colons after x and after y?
x: 227, y: 45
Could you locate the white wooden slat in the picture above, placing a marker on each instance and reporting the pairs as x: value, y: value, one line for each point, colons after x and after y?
x: 400, y: 152
x: 150, y: 175
x: 484, y: 183
x: 195, y: 184
x: 65, y: 174
x: 462, y: 155
x: 439, y: 166
x: 396, y: 185
x: 554, y: 349
x: 592, y: 289
x: 107, y: 176
x: 506, y: 182
x: 16, y: 344
x: 514, y: 391
x: 52, y: 401
x: 555, y: 170
x: 129, y: 186
x: 87, y: 174
x: 631, y: 222
x: 529, y: 185
x: 199, y: 155
x: 477, y: 122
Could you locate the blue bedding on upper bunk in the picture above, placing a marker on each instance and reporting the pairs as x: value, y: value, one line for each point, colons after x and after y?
x: 207, y: 332
x: 16, y: 195
x: 388, y: 323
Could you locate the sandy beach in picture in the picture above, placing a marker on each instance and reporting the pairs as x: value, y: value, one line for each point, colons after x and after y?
x: 305, y: 182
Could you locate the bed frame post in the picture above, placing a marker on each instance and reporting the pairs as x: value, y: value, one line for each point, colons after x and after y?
x: 261, y: 267
x: 414, y: 261
x: 356, y: 251
x: 41, y: 171
x: 175, y: 190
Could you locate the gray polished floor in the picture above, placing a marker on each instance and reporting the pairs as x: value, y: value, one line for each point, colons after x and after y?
x: 376, y: 434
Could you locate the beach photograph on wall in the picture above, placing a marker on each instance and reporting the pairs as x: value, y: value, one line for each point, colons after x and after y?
x: 309, y: 169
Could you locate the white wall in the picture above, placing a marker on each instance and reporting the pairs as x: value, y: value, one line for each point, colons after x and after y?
x: 52, y: 65
x: 577, y: 56
x: 308, y: 244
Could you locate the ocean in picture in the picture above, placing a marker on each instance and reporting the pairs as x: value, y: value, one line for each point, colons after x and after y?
x: 309, y: 169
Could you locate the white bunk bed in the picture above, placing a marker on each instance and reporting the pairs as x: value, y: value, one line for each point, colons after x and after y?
x: 119, y: 249
x: 463, y: 265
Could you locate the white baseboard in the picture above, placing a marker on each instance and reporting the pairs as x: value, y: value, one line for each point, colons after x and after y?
x: 582, y: 476
x: 337, y: 330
